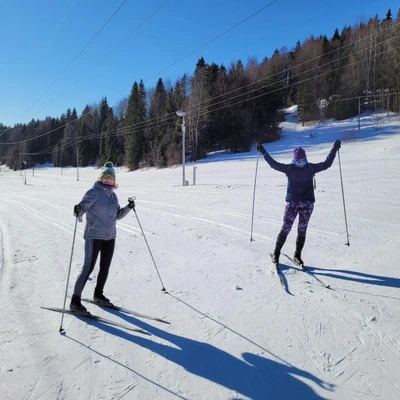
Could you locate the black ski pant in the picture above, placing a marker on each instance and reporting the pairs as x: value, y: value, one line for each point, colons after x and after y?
x: 92, y: 249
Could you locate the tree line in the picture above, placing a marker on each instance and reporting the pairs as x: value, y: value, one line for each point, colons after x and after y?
x: 226, y: 108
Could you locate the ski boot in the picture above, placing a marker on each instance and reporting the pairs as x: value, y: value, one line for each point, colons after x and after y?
x: 297, y: 259
x: 99, y: 298
x: 280, y: 241
x: 275, y: 258
x: 77, y: 307
x: 300, y: 240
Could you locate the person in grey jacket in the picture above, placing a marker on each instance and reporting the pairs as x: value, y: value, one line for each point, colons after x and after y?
x: 100, y: 204
x: 300, y: 197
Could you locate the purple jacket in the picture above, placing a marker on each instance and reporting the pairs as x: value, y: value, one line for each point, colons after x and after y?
x: 300, y: 180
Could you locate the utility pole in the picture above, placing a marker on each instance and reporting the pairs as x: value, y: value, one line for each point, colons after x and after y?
x: 77, y: 161
x: 181, y: 113
x: 25, y: 170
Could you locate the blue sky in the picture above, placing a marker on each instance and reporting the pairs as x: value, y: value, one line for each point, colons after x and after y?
x: 42, y: 75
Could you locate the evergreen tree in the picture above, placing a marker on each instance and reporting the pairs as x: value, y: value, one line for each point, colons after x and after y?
x: 108, y: 139
x: 200, y: 65
x: 88, y: 131
x: 134, y: 126
x: 105, y: 113
x: 336, y: 35
x: 274, y: 84
x: 158, y: 128
x: 211, y: 75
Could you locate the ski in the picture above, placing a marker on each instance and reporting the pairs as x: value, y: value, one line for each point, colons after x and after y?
x: 279, y: 273
x: 97, y: 318
x: 125, y: 310
x: 306, y: 270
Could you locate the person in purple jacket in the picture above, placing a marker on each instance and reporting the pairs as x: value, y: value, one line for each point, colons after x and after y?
x: 300, y: 197
x: 100, y: 204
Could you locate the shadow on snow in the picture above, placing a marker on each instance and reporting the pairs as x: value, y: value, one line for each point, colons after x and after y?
x: 252, y: 375
x: 355, y: 276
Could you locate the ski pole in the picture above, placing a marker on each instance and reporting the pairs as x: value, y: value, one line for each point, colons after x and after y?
x: 254, y: 199
x: 69, y: 273
x: 344, y: 204
x: 151, y: 254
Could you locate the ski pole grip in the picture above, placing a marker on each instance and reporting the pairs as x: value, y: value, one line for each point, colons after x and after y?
x: 131, y: 202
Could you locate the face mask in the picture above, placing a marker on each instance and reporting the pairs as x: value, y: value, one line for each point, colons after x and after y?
x: 301, y: 163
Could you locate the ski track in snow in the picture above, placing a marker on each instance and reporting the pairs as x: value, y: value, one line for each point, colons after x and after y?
x: 4, y: 248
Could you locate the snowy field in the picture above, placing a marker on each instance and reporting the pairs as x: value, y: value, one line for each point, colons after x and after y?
x: 234, y: 332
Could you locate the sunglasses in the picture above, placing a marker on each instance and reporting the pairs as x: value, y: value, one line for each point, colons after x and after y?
x: 107, y: 177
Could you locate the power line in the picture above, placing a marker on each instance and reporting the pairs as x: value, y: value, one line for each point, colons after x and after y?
x: 70, y: 64
x: 106, y: 56
x: 279, y: 73
x: 55, y: 129
x: 59, y: 26
x: 214, y: 39
x: 150, y: 123
x: 194, y: 51
x: 262, y: 87
x: 224, y: 94
x: 205, y: 112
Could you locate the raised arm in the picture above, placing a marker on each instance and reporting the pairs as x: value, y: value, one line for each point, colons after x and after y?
x: 322, y: 166
x: 272, y: 163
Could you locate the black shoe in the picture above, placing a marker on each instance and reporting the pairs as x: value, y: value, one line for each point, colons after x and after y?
x: 275, y: 258
x: 77, y: 307
x: 298, y: 260
x: 101, y: 299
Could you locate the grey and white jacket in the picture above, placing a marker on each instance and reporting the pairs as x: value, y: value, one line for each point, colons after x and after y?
x: 102, y: 212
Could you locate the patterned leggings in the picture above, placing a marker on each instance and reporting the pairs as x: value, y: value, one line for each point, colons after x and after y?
x: 304, y: 209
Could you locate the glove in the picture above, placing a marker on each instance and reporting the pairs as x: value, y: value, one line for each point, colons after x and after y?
x: 131, y: 203
x: 336, y: 145
x: 77, y: 210
x: 261, y: 149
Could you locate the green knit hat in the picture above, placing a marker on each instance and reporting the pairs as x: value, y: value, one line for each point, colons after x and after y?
x: 108, y: 170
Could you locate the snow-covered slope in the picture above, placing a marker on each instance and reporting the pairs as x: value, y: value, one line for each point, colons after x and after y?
x: 234, y: 332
